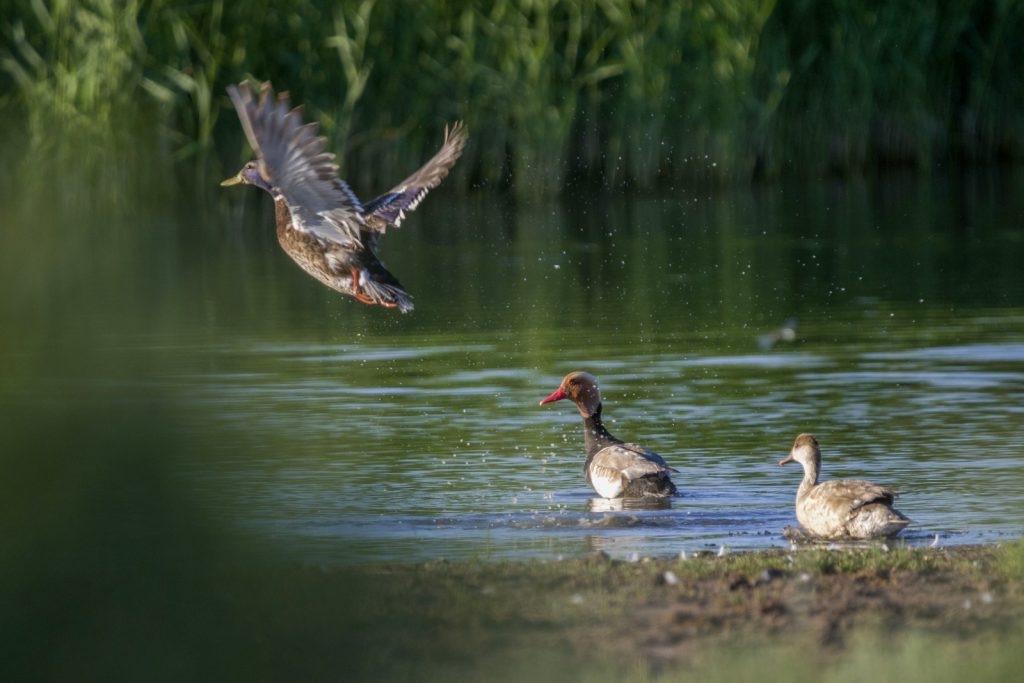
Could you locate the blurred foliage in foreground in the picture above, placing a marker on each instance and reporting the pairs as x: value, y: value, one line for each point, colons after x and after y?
x: 602, y: 92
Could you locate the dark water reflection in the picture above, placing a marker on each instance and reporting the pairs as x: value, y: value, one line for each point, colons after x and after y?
x: 344, y: 432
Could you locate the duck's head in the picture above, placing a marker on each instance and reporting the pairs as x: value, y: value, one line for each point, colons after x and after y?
x: 249, y: 175
x: 805, y: 451
x: 580, y: 388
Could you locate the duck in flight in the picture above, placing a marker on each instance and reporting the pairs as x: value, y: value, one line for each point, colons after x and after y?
x: 321, y: 224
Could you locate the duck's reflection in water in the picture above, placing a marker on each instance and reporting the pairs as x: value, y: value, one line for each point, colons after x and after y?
x: 628, y: 504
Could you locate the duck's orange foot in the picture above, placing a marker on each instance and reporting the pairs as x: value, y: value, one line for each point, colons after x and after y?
x: 355, y: 289
x: 364, y: 299
x: 372, y: 302
x: 360, y: 296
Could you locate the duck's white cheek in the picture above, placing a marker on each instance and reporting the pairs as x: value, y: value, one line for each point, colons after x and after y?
x: 607, y: 487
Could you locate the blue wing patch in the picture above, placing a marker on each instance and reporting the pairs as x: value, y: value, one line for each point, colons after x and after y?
x: 391, y: 207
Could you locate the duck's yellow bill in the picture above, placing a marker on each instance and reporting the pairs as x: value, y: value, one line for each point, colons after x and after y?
x: 233, y: 180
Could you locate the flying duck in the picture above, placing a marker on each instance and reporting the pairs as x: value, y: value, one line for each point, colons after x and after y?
x: 321, y: 224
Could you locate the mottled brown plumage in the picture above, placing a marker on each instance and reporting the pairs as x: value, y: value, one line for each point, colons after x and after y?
x: 321, y: 223
x: 613, y: 468
x: 841, y: 508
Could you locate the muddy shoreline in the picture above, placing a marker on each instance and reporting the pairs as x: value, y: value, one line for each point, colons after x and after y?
x: 669, y: 610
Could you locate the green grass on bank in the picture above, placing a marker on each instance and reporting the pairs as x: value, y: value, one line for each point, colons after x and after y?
x: 615, y: 93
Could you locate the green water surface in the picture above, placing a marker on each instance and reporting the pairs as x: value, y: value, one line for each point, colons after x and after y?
x: 344, y: 432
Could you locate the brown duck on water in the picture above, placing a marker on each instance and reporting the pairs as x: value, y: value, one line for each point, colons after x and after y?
x: 321, y: 223
x: 841, y: 508
x: 613, y: 468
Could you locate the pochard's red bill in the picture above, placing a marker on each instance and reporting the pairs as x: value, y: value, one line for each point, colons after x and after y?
x: 558, y: 395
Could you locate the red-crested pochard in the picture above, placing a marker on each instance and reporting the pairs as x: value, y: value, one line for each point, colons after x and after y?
x: 613, y: 468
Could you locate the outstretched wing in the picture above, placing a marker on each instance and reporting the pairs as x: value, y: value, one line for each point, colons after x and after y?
x: 390, y: 208
x: 293, y: 158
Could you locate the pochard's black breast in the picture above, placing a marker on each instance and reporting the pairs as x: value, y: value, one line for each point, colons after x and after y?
x: 595, y: 435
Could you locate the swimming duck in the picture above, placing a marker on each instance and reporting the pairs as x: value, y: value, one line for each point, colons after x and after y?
x: 321, y: 223
x: 613, y: 468
x: 841, y: 508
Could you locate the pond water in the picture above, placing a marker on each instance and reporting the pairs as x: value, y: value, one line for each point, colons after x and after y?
x: 341, y: 432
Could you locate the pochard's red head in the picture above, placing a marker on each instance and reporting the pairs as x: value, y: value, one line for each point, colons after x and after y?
x: 580, y: 388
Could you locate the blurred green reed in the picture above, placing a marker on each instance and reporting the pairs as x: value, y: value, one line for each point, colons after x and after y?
x: 604, y: 92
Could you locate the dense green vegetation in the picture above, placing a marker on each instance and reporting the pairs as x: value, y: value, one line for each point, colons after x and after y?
x: 604, y: 92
